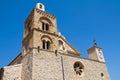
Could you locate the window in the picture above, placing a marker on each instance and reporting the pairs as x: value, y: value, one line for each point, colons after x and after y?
x: 78, y: 68
x: 45, y: 26
x: 46, y: 45
x: 61, y: 47
x: 42, y: 26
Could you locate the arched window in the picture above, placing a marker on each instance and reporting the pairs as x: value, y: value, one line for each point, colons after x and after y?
x: 46, y: 45
x: 45, y: 26
x: 42, y: 25
x: 61, y: 47
x: 44, y: 42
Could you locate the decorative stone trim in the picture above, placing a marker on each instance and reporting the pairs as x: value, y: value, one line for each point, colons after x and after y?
x: 78, y: 68
x: 45, y: 14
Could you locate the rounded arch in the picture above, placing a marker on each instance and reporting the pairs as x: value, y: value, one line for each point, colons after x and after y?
x: 60, y: 42
x: 46, y: 38
x: 61, y: 45
x: 46, y: 19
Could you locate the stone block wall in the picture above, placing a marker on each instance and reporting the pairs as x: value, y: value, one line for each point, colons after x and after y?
x: 46, y: 66
x: 27, y: 67
x: 12, y: 72
x: 93, y: 70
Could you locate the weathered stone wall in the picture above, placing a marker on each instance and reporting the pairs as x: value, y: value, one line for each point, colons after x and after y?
x: 46, y: 66
x: 27, y: 67
x: 12, y: 72
x: 93, y: 70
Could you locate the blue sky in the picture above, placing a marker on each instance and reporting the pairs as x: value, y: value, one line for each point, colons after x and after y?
x: 80, y: 21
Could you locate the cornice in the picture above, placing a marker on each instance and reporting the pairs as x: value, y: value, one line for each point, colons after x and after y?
x: 45, y: 14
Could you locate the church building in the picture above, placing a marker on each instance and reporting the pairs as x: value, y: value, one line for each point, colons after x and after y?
x: 46, y: 54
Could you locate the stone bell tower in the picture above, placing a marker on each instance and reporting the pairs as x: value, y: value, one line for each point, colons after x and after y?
x: 42, y: 46
x: 40, y: 30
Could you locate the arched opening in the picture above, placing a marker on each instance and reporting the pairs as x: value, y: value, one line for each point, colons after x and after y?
x: 42, y: 25
x: 48, y: 45
x: 46, y: 38
x: 45, y: 26
x: 46, y: 19
x: 44, y: 43
x: 61, y: 47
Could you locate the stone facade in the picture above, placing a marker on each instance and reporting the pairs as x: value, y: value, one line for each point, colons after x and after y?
x: 48, y: 66
x: 46, y: 54
x: 12, y: 72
